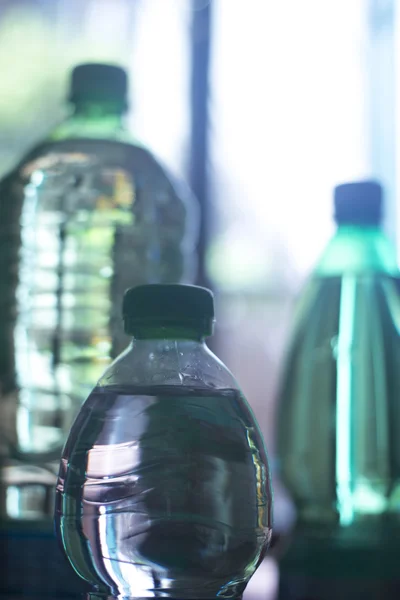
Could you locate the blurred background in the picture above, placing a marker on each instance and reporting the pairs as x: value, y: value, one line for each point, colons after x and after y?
x: 261, y: 106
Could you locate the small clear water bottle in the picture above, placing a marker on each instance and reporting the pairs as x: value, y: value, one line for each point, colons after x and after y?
x: 339, y: 412
x: 164, y: 486
x: 86, y: 214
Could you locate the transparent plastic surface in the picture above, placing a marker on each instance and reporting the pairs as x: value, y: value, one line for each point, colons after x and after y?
x: 338, y: 443
x: 340, y: 413
x: 82, y: 219
x: 164, y: 482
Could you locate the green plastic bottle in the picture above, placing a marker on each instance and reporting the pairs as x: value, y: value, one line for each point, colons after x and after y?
x: 339, y: 409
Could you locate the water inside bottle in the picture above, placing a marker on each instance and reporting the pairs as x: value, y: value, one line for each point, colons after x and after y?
x: 339, y: 413
x: 163, y: 491
x: 87, y: 229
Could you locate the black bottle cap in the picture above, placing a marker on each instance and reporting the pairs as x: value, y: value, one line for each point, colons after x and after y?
x: 99, y: 82
x: 358, y: 203
x: 172, y: 305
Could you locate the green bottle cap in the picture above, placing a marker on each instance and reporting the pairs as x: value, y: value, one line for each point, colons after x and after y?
x: 168, y: 305
x: 97, y: 82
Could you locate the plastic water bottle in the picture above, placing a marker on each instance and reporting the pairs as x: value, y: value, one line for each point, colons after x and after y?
x: 164, y: 484
x: 85, y: 215
x: 339, y: 411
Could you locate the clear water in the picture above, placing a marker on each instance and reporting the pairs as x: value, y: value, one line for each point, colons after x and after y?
x: 89, y: 219
x: 164, y: 491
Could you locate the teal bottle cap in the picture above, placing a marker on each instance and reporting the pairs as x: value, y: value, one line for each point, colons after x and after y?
x: 171, y: 305
x: 98, y: 82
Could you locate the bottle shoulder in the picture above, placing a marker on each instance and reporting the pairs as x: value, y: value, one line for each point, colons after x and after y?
x: 169, y: 362
x: 358, y: 250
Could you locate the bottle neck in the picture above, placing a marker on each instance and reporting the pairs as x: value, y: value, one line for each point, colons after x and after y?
x: 358, y: 249
x: 98, y: 110
x: 175, y: 333
x: 99, y: 120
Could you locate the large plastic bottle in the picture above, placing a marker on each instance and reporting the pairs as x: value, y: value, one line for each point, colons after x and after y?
x: 164, y: 486
x: 85, y: 215
x: 339, y: 411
